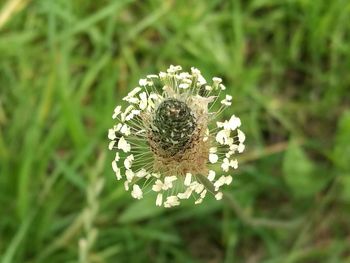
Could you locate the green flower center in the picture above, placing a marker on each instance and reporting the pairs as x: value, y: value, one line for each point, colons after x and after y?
x: 173, y: 125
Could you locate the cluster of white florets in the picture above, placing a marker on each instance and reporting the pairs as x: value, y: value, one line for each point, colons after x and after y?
x: 135, y: 160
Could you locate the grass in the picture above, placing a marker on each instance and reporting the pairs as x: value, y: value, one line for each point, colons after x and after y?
x: 64, y: 65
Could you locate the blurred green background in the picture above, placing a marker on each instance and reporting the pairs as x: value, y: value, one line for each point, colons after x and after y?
x: 64, y: 66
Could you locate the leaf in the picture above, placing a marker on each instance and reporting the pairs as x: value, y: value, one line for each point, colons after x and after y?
x: 298, y: 171
x: 341, y: 154
x: 140, y: 210
x: 345, y: 187
x: 341, y: 151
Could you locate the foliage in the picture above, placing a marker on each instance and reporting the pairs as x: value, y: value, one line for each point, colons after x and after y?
x: 64, y: 65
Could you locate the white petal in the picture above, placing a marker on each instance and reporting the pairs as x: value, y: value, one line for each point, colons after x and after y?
x: 159, y: 200
x: 222, y: 87
x: 143, y: 101
x: 134, y: 92
x: 125, y: 130
x: 126, y: 186
x: 226, y: 102
x: 211, y: 175
x: 115, y: 166
x: 234, y: 122
x: 141, y: 173
x: 158, y: 185
x: 217, y: 80
x: 241, y: 136
x: 234, y: 164
x: 220, y: 182
x: 203, y: 193
x: 201, y: 80
x: 143, y: 82
x: 188, y: 177
x: 111, y: 134
x: 225, y: 165
x: 118, y: 175
x: 172, y: 200
x: 169, y: 179
x: 228, y: 179
x: 184, y: 86
x: 129, y: 175
x: 162, y: 75
x: 241, y: 148
x: 213, y: 158
x: 156, y: 175
x: 111, y: 145
x: 223, y: 136
x: 199, y: 188
x: 124, y: 145
x: 218, y: 196
x: 152, y: 76
x: 198, y: 201
x: 213, y: 149
x: 206, y: 136
x: 136, y: 192
x: 118, y: 127
x: 126, y: 112
x: 186, y: 194
x: 117, y: 157
x: 116, y: 112
x: 128, y: 161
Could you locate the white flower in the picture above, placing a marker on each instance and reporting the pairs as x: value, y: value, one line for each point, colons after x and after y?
x: 159, y: 200
x: 187, y: 181
x: 213, y: 149
x: 125, y: 130
x: 218, y: 196
x: 158, y: 186
x: 136, y: 192
x: 241, y: 136
x: 124, y: 145
x: 168, y: 182
x: 184, y: 86
x: 141, y: 173
x: 213, y: 158
x: 118, y: 175
x: 217, y: 80
x: 211, y: 175
x: 128, y: 161
x: 229, y: 163
x: 227, y: 101
x: 234, y: 123
x: 117, y: 157
x: 111, y: 145
x: 186, y: 194
x: 117, y: 111
x: 223, y: 137
x: 143, y: 101
x: 111, y: 134
x: 129, y: 175
x: 169, y: 137
x: 222, y: 87
x: 143, y: 82
x: 172, y: 200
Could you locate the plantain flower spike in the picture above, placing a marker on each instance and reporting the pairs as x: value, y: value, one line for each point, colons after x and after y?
x: 168, y: 138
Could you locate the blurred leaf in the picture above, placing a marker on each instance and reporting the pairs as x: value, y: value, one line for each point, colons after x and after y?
x: 345, y: 183
x: 140, y: 210
x: 156, y: 234
x: 298, y: 171
x: 341, y: 152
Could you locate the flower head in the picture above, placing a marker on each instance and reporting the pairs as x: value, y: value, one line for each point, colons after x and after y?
x: 169, y: 136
